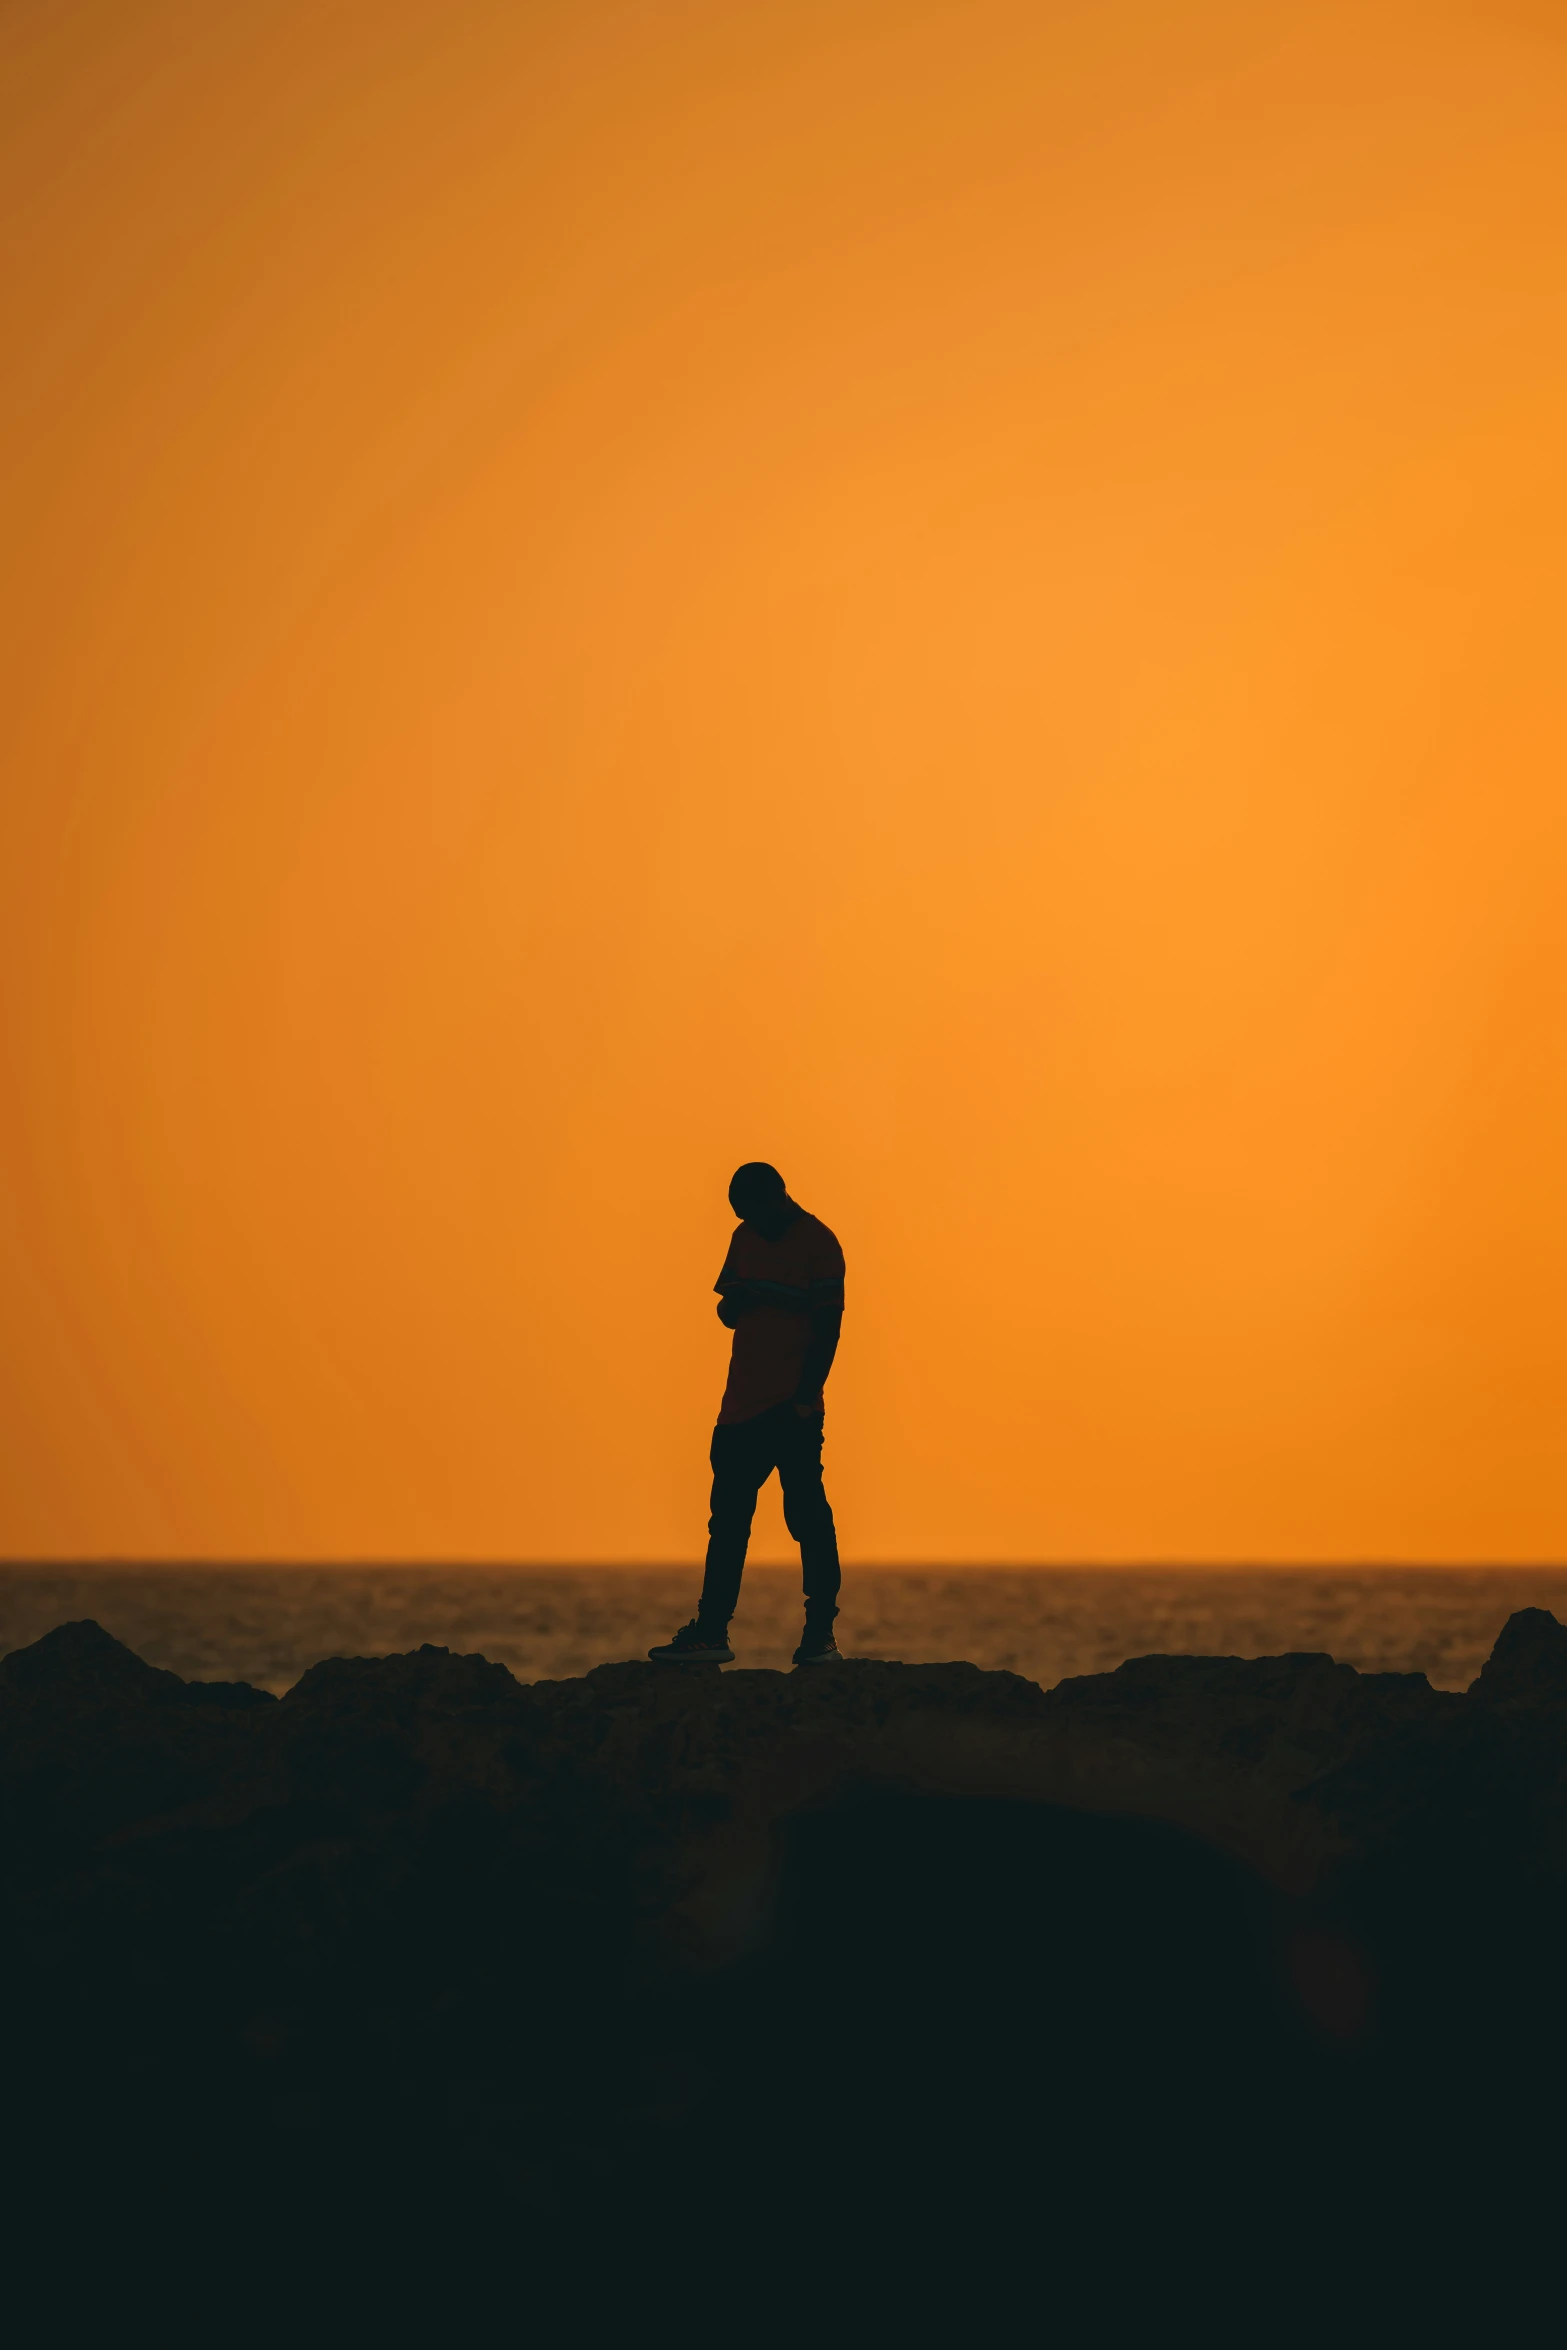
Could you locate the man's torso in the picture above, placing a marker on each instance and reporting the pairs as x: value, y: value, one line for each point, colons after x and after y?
x: 799, y: 1271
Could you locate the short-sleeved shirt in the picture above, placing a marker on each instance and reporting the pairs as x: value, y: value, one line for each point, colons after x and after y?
x: 798, y: 1273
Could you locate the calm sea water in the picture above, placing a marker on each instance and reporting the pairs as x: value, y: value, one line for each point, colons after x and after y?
x: 267, y: 1624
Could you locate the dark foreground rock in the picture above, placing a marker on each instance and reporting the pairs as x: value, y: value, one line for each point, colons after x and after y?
x: 900, y: 1999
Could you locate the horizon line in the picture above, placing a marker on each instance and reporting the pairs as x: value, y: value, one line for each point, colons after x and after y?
x: 370, y: 1564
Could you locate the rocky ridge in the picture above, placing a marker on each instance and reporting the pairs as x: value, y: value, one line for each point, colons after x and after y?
x: 531, y: 1947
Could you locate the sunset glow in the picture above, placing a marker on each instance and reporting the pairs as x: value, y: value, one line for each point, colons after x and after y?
x: 960, y: 595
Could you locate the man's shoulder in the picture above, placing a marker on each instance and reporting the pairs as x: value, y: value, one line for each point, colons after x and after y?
x: 741, y: 1242
x: 820, y: 1244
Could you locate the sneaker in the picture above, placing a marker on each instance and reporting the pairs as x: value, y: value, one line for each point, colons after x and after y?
x: 694, y: 1646
x: 818, y: 1648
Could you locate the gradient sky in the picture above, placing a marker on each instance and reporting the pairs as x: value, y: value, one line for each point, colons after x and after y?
x: 965, y: 595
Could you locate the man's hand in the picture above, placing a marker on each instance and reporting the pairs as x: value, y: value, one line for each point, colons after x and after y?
x: 733, y: 1304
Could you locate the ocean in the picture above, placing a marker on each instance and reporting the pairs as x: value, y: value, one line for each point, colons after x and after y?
x: 266, y: 1625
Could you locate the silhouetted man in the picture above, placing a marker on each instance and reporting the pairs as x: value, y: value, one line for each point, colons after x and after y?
x: 781, y: 1293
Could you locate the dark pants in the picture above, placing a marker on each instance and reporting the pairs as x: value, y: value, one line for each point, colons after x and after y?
x: 744, y: 1456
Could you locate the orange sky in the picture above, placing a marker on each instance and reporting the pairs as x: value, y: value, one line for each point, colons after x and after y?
x: 961, y: 594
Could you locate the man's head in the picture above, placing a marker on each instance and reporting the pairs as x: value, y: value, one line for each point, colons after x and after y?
x: 758, y: 1195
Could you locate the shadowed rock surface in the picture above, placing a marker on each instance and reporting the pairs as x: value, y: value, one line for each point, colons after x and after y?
x: 1141, y: 1995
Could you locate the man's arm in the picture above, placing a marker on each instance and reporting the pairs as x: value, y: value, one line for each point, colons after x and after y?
x: 826, y: 1324
x: 743, y: 1297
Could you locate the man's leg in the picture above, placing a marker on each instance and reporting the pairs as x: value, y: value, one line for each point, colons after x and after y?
x: 742, y: 1461
x: 808, y: 1515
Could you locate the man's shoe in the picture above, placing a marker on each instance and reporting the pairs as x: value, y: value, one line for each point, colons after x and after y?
x: 818, y: 1648
x: 692, y: 1646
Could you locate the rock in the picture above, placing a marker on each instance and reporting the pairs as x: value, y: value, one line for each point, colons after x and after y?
x: 81, y: 1664
x: 80, y: 1667
x: 587, y: 1966
x: 1528, y: 1661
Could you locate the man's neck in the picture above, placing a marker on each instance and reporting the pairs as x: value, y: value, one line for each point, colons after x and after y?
x: 776, y: 1224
